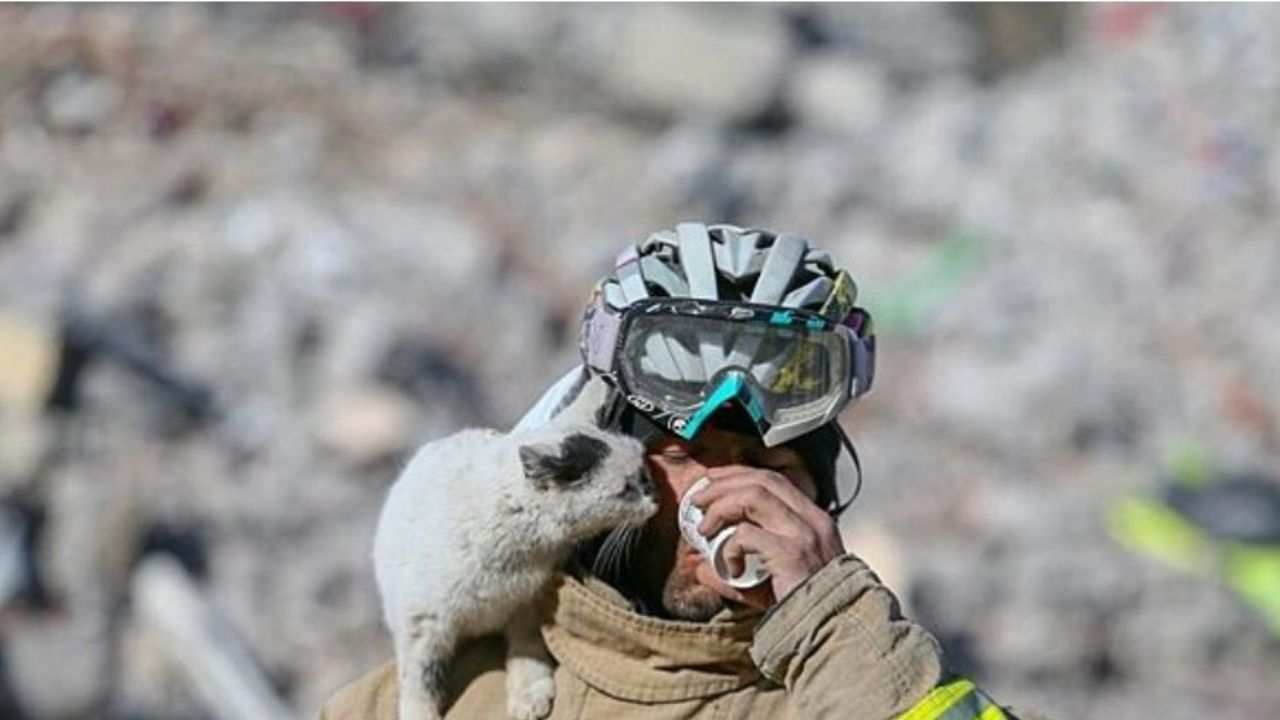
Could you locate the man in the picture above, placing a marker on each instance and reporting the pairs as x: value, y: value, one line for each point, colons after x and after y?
x: 730, y: 352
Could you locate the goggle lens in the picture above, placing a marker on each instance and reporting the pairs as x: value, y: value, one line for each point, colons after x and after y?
x: 671, y: 360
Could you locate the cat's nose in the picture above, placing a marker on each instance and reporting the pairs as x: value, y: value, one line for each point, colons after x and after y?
x: 636, y: 489
x: 643, y: 483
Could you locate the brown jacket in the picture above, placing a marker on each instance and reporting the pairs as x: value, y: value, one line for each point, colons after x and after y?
x: 837, y: 647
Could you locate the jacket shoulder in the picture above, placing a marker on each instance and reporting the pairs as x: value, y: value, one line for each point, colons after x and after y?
x: 475, y: 683
x: 373, y: 696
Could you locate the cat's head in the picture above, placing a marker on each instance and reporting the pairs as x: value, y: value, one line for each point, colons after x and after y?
x: 591, y: 480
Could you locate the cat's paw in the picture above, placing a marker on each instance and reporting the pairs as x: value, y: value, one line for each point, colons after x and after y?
x: 532, y: 700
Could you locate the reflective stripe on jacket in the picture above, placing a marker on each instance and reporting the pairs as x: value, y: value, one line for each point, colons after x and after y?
x: 959, y: 699
x: 837, y: 647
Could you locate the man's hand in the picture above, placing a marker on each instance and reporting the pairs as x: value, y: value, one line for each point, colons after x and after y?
x: 793, y: 537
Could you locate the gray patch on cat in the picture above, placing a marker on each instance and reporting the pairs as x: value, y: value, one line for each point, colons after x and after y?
x: 575, y: 460
x: 433, y: 676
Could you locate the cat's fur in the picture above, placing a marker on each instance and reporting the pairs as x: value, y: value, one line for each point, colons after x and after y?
x: 470, y: 534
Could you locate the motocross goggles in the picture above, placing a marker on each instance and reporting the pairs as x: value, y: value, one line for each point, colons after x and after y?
x: 679, y: 360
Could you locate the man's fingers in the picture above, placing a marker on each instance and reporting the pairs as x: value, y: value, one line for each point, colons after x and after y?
x: 751, y: 503
x: 728, y: 478
x: 783, y: 487
x: 787, y: 561
x: 751, y: 539
x: 760, y: 596
x: 774, y: 519
x: 761, y: 496
x: 707, y: 577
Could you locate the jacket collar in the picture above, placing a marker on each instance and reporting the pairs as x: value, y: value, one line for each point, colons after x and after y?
x: 591, y: 630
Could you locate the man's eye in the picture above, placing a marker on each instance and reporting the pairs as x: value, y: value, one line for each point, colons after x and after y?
x: 676, y: 456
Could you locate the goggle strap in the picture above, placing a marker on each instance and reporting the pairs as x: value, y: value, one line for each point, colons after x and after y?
x: 864, y: 366
x: 601, y: 335
x: 613, y: 411
x: 840, y: 506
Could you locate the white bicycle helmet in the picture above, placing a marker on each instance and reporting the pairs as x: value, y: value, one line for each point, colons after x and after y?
x: 704, y: 316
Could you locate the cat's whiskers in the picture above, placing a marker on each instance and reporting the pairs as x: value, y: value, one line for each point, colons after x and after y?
x: 616, y: 551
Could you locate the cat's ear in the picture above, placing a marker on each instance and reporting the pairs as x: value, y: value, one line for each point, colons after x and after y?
x: 539, y: 463
x: 573, y: 461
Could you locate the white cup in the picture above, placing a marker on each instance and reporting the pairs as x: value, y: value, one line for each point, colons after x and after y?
x: 689, y: 517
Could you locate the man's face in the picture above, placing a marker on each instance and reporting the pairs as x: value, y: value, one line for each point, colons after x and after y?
x: 688, y: 592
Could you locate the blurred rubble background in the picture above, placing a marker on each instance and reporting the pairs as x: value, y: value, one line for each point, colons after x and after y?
x: 267, y: 250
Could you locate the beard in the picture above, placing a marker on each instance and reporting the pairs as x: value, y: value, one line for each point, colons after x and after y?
x: 685, y: 599
x: 644, y: 566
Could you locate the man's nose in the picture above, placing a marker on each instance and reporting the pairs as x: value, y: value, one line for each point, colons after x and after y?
x: 697, y: 468
x: 723, y: 456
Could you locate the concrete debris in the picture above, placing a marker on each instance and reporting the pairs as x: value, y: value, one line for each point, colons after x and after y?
x: 365, y: 424
x: 718, y: 63
x: 61, y: 664
x: 25, y: 442
x: 15, y: 202
x: 839, y: 94
x: 13, y: 550
x: 78, y: 103
x: 212, y: 658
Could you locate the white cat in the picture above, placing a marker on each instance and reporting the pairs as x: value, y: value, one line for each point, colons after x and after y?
x: 472, y: 531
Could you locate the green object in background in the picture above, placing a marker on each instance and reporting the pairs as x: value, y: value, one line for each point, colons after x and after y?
x: 1226, y: 528
x: 1254, y: 573
x: 904, y: 305
x: 1187, y: 464
x: 1152, y: 528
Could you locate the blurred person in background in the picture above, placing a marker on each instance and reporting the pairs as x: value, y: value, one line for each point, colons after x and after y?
x: 730, y: 353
